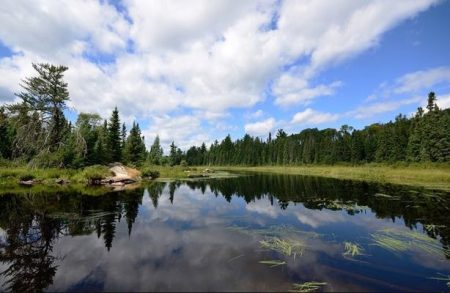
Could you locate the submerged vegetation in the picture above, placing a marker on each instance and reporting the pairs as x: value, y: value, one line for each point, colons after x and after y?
x: 273, y: 263
x: 401, y: 241
x: 443, y: 277
x: 352, y: 249
x: 307, y: 286
x: 284, y: 246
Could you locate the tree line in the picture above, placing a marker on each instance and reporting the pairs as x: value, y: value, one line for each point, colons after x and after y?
x: 425, y: 137
x: 35, y: 131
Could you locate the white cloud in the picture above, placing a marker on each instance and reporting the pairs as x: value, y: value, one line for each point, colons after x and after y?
x: 373, y: 109
x: 47, y: 27
x: 261, y: 127
x: 419, y: 80
x: 294, y: 90
x: 204, y: 56
x: 310, y: 116
x: 443, y: 102
x: 185, y: 130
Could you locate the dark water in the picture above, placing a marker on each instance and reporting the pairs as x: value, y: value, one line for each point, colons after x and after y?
x: 215, y: 236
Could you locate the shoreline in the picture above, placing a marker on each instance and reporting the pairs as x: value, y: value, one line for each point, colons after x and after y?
x: 430, y: 177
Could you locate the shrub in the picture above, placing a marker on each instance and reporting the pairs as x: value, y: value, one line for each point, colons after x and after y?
x: 93, y: 174
x: 26, y: 177
x: 149, y: 173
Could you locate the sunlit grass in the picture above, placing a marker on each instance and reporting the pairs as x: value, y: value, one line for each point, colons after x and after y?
x: 307, y: 286
x: 426, y: 175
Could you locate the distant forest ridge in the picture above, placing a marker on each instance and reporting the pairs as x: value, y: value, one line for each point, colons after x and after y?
x: 36, y: 132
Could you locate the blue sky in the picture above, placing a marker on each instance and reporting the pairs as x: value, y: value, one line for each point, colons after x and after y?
x: 194, y: 71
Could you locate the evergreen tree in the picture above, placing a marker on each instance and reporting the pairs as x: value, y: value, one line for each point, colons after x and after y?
x: 174, y: 155
x: 134, y: 151
x: 124, y: 136
x: 156, y: 152
x: 114, y: 137
x: 44, y: 98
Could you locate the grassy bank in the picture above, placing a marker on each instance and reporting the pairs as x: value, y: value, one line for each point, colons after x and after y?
x: 49, y: 176
x: 435, y: 176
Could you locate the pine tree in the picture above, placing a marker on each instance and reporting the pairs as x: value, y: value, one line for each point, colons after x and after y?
x: 124, y: 136
x: 135, y: 151
x: 156, y: 152
x: 174, y: 155
x: 114, y: 137
x: 46, y: 95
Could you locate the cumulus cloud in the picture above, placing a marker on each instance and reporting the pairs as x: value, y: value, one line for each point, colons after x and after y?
x: 261, y: 127
x: 310, y: 116
x: 154, y: 58
x: 424, y: 79
x: 373, y: 109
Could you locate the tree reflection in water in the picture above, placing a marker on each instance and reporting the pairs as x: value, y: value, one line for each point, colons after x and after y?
x: 34, y: 221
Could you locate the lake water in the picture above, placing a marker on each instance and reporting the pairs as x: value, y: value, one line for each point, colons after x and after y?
x: 250, y: 233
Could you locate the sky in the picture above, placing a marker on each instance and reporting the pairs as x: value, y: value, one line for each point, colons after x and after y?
x: 194, y: 71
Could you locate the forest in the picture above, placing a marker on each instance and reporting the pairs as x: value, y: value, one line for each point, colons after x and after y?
x: 36, y: 132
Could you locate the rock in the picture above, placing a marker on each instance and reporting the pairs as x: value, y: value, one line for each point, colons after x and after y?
x: 62, y: 181
x: 118, y: 184
x: 26, y: 182
x: 122, y: 173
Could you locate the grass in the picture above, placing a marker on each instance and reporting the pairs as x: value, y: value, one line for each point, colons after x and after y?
x: 283, y: 246
x: 443, y: 277
x: 435, y: 176
x: 273, y: 263
x: 352, y: 249
x: 401, y: 241
x: 10, y: 177
x: 183, y: 173
x: 307, y: 286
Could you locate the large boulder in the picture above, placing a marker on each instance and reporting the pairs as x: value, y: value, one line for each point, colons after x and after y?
x: 123, y: 174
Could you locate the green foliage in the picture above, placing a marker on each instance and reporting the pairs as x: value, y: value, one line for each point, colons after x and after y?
x: 92, y: 173
x: 135, y: 151
x: 425, y: 137
x: 26, y: 177
x: 155, y: 156
x: 175, y: 156
x: 115, y: 137
x: 148, y: 172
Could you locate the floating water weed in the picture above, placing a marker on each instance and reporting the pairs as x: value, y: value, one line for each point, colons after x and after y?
x: 273, y: 263
x: 400, y: 241
x: 352, y: 249
x: 283, y: 246
x: 274, y: 231
x: 442, y: 278
x: 307, y: 286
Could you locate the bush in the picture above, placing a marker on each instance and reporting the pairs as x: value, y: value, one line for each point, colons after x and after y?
x: 26, y: 177
x: 93, y: 174
x: 149, y: 173
x: 183, y: 164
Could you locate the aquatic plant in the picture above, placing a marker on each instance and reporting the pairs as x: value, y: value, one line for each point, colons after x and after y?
x: 307, y: 286
x: 273, y: 263
x: 443, y: 278
x: 283, y: 246
x: 274, y: 231
x: 352, y: 249
x: 399, y: 241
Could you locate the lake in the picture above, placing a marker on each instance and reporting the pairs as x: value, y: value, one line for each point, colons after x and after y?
x: 249, y: 233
